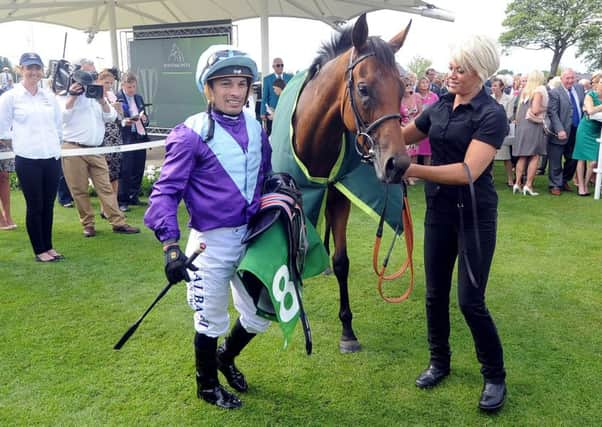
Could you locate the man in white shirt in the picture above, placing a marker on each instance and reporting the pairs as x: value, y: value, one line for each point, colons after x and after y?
x: 83, y: 126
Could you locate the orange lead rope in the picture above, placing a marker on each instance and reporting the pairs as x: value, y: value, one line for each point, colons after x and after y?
x: 408, y: 228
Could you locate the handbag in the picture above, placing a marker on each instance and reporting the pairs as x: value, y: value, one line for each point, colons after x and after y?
x: 539, y: 118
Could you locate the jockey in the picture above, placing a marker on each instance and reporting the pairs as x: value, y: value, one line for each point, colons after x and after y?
x: 216, y: 161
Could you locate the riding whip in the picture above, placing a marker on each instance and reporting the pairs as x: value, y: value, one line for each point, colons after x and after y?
x: 161, y: 294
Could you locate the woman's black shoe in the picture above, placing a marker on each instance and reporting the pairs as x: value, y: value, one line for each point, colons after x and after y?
x: 431, y: 377
x: 493, y: 396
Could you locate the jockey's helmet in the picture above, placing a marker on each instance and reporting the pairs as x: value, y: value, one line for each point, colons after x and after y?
x: 224, y: 61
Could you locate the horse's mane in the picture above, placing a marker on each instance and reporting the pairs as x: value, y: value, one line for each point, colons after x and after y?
x: 341, y: 41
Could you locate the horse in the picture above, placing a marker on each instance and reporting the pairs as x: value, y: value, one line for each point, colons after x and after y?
x: 353, y: 85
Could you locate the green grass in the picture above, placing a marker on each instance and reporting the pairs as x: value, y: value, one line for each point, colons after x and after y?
x: 58, y: 323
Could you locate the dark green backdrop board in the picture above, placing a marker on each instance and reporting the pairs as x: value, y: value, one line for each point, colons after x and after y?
x: 166, y: 69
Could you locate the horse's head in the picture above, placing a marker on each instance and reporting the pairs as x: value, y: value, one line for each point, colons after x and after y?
x: 373, y: 99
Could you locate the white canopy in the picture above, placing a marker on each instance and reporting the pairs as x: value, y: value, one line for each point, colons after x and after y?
x: 101, y: 15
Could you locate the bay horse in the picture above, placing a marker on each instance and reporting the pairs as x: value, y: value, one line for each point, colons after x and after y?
x: 353, y: 85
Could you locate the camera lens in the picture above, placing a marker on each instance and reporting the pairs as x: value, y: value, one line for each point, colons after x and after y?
x: 94, y: 91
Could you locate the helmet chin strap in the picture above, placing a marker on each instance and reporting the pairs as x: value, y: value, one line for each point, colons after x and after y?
x: 211, y: 108
x: 211, y: 130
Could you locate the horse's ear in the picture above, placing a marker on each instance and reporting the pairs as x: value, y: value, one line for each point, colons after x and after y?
x: 359, y: 34
x: 397, y: 41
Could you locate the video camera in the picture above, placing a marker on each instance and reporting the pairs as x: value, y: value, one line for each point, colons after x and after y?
x: 65, y: 74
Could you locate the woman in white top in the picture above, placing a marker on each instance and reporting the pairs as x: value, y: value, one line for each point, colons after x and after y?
x: 35, y: 118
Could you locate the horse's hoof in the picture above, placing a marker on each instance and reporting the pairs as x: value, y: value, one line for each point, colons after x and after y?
x: 327, y: 272
x: 349, y: 346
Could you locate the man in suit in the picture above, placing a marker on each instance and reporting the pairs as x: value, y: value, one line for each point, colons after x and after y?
x: 431, y: 74
x: 132, y: 131
x: 269, y: 97
x: 564, y: 111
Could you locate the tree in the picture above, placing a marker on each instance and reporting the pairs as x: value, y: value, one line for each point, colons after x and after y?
x: 589, y: 48
x: 419, y: 65
x: 505, y: 71
x: 551, y: 24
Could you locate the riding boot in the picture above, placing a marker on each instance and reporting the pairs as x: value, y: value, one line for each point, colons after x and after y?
x: 208, y: 386
x: 232, y: 346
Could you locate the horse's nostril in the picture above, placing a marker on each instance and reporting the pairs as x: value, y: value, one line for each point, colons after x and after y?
x: 390, y: 165
x: 395, y: 168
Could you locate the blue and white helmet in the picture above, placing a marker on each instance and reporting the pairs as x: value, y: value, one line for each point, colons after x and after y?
x: 224, y: 61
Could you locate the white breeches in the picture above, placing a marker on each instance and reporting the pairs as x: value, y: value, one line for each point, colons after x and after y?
x: 208, y: 290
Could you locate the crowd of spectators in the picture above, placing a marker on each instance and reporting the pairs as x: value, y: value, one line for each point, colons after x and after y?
x: 36, y: 122
x: 553, y: 127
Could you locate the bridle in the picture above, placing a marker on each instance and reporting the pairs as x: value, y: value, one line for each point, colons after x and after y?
x: 363, y: 129
x: 363, y: 140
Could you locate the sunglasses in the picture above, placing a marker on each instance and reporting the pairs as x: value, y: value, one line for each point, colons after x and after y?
x: 278, y: 65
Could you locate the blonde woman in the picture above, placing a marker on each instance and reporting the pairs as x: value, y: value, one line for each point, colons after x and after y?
x: 530, y: 140
x: 427, y: 98
x: 465, y: 128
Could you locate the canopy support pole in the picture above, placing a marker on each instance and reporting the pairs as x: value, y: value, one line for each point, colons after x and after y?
x: 265, y: 39
x: 113, y: 33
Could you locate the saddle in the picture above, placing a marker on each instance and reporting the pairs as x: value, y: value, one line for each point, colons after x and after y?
x: 281, y: 199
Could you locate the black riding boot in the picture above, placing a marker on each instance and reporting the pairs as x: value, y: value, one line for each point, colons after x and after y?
x: 208, y: 386
x: 232, y: 346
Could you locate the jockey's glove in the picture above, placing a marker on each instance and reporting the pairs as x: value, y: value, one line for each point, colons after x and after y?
x: 176, y: 269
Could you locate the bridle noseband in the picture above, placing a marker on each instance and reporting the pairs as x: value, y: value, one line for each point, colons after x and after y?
x: 363, y: 129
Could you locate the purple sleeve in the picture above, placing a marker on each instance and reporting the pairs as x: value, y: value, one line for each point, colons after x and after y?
x: 162, y: 213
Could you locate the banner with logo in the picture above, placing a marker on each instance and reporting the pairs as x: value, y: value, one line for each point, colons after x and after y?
x: 166, y: 76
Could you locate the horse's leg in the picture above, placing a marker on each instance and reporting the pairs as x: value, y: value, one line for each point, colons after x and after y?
x: 338, y: 207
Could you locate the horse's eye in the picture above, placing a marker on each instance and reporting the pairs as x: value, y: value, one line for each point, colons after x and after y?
x: 362, y: 89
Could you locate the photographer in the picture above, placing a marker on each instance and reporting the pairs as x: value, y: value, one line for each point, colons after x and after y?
x: 85, y: 111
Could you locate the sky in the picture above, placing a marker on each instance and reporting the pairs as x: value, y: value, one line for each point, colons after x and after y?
x: 297, y: 41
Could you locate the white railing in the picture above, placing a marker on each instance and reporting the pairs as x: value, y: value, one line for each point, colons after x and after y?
x: 98, y: 150
x: 598, y: 169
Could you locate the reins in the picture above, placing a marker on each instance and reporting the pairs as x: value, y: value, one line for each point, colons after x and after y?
x: 408, y: 228
x: 474, y: 280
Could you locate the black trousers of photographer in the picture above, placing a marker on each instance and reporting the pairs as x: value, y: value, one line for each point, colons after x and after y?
x: 443, y: 241
x: 132, y: 169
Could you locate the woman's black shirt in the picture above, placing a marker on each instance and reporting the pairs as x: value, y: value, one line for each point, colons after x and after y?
x: 450, y: 132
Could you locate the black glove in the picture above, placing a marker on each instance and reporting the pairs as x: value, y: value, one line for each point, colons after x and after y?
x: 175, y: 265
